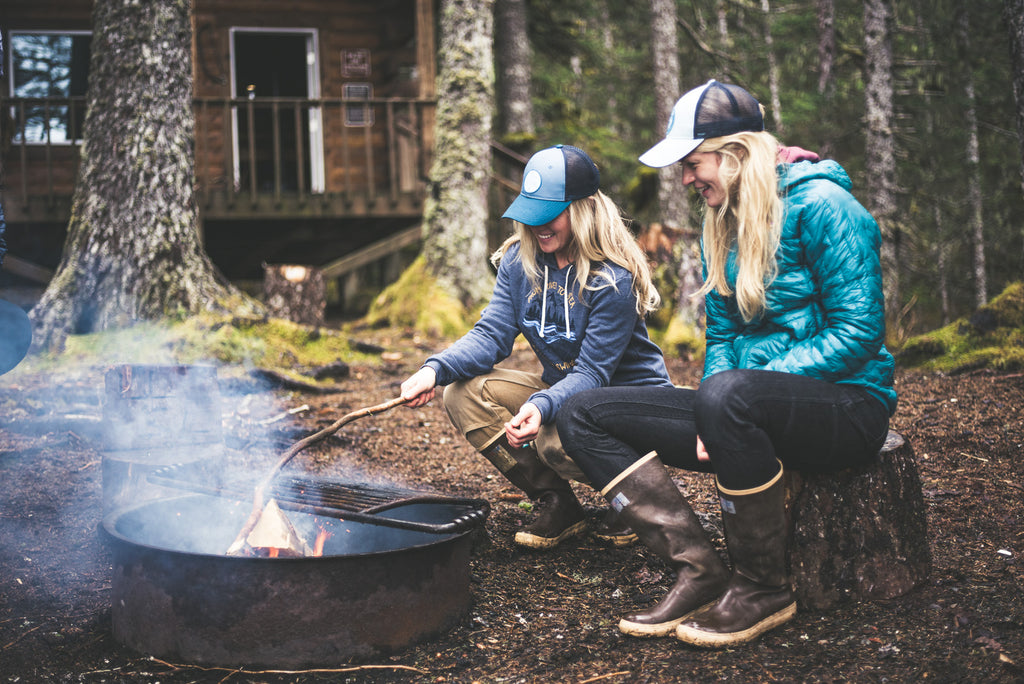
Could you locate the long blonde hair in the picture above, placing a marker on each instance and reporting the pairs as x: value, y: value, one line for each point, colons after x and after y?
x: 599, y: 235
x: 750, y: 218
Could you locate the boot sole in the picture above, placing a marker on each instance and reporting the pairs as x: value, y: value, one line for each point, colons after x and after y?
x: 696, y: 637
x: 661, y: 629
x: 617, y: 540
x: 532, y: 541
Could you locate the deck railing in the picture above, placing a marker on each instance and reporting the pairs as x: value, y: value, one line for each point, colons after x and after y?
x: 253, y: 157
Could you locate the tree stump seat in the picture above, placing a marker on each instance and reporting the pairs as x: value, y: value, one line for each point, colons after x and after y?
x: 860, y: 533
x: 295, y: 293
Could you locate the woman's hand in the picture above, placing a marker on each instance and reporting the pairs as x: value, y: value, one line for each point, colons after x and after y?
x: 702, y: 452
x: 418, y: 389
x: 524, y: 426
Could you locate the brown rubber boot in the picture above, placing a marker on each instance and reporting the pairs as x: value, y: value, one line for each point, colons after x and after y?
x: 648, y: 500
x: 612, y: 530
x: 759, y: 597
x: 559, y: 514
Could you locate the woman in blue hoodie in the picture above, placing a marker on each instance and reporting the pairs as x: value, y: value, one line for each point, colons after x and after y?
x: 796, y: 374
x: 573, y: 281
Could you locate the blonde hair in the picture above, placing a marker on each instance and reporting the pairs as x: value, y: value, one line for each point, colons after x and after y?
x: 599, y: 235
x: 750, y: 218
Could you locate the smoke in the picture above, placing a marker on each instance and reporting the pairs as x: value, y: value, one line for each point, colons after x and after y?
x: 182, y: 459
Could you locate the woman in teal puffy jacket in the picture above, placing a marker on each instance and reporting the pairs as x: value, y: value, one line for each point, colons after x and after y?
x: 796, y: 373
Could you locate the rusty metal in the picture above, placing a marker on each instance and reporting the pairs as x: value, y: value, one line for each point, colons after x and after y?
x: 359, y: 501
x: 375, y: 590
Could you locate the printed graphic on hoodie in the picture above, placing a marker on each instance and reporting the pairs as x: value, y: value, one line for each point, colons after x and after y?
x: 548, y: 312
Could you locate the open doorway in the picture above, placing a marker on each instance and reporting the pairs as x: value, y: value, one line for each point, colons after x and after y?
x: 277, y: 141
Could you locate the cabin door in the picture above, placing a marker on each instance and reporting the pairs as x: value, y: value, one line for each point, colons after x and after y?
x: 278, y: 144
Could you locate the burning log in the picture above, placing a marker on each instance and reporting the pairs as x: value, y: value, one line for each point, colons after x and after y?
x: 274, y: 536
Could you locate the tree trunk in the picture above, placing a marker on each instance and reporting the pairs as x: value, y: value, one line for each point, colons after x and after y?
x: 826, y: 11
x: 513, y: 48
x: 673, y: 207
x: 973, y: 175
x: 773, y: 70
x: 455, y: 215
x: 860, y: 533
x: 880, y: 155
x: 1013, y: 14
x: 132, y: 250
x: 722, y: 14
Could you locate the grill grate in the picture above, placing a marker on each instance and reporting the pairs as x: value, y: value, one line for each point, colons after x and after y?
x: 357, y: 501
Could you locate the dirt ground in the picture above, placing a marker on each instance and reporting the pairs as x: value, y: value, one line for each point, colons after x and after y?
x: 536, y: 617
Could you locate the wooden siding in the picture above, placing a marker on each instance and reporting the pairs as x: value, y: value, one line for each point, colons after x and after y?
x: 367, y: 170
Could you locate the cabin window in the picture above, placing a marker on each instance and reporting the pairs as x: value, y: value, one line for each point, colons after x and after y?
x: 50, y: 70
x: 358, y: 114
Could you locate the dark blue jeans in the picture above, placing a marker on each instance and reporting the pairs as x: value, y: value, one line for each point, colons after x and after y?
x: 747, y: 419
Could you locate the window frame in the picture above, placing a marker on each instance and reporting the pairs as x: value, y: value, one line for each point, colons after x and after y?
x: 65, y: 116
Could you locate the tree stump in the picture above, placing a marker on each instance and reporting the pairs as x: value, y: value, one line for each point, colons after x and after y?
x: 860, y: 533
x: 295, y: 293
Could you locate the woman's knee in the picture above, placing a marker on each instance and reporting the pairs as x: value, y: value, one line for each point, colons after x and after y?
x: 719, y: 396
x: 573, y: 418
x: 465, y: 408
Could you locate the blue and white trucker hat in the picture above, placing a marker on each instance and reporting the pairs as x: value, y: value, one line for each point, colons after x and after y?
x: 553, y: 178
x: 711, y: 111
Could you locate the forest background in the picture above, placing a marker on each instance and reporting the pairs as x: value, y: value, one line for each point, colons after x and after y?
x: 921, y: 102
x: 956, y: 187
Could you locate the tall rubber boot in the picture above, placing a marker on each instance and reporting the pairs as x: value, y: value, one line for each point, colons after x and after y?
x: 759, y: 597
x: 559, y: 514
x: 648, y: 499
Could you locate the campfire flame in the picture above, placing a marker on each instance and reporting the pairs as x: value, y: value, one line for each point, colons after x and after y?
x: 275, y: 537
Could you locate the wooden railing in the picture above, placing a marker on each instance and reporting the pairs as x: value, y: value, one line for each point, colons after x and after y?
x: 308, y: 157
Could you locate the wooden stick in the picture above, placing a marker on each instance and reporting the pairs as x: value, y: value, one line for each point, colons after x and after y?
x: 261, y: 488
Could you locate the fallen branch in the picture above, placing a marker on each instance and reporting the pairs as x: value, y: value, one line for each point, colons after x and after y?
x: 235, y: 670
x: 605, y: 676
x: 22, y: 636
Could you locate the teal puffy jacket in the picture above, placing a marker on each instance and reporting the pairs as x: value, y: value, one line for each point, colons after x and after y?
x: 826, y: 311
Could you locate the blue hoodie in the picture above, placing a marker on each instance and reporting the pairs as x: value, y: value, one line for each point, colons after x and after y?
x: 825, y: 313
x: 582, y: 342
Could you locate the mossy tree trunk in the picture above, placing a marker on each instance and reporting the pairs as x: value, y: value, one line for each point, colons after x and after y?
x: 1013, y: 15
x: 512, y: 44
x: 455, y: 215
x: 132, y: 250
x: 880, y: 157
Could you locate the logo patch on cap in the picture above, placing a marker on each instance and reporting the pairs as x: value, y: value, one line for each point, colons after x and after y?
x: 532, y: 182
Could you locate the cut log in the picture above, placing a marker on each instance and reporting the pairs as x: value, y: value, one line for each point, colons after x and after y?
x: 860, y: 533
x: 295, y: 293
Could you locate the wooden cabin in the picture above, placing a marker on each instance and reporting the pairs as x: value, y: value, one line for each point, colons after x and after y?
x: 313, y: 135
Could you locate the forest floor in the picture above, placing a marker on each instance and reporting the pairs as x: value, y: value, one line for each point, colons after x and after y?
x: 535, y: 617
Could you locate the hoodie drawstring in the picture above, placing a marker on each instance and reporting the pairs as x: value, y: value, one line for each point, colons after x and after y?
x: 566, y: 300
x: 544, y: 301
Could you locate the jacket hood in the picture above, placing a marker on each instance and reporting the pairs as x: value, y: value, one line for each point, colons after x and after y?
x: 791, y: 175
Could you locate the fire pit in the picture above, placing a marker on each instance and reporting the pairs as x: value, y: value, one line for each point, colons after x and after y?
x: 376, y: 588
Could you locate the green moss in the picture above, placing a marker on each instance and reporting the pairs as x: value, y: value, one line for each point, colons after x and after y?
x: 993, y: 337
x: 681, y: 340
x: 416, y: 301
x: 233, y: 343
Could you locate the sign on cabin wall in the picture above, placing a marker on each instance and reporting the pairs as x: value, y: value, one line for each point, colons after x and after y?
x: 355, y: 63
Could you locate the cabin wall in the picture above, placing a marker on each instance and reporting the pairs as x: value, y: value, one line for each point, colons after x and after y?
x: 393, y: 153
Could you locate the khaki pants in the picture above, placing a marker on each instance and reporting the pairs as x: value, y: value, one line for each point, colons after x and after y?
x: 481, y: 406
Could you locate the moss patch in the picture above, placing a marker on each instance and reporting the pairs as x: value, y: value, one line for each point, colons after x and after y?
x: 680, y: 340
x: 993, y: 337
x: 237, y: 344
x: 417, y: 302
